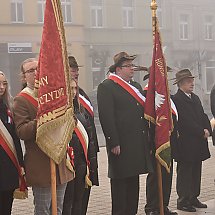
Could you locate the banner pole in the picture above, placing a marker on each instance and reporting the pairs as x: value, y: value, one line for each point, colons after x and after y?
x: 53, y: 187
x: 159, y: 175
x: 160, y: 188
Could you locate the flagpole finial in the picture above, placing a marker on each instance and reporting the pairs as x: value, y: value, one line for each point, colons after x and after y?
x: 154, y: 7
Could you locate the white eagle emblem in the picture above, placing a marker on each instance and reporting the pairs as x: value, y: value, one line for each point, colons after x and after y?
x: 159, y: 100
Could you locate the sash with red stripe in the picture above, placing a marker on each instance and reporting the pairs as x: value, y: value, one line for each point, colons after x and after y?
x: 83, y: 137
x: 27, y: 94
x: 84, y: 140
x: 133, y: 91
x: 86, y: 104
x: 6, y: 142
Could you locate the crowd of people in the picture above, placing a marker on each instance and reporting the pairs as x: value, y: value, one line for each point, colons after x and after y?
x: 130, y: 143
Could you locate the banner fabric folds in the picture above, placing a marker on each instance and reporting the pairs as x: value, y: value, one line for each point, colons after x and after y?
x: 55, y: 122
x: 157, y: 104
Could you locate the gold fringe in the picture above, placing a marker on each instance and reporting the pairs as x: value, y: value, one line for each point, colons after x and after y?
x: 56, y: 151
x: 70, y: 167
x: 17, y: 194
x: 149, y: 118
x: 162, y: 162
x: 88, y: 182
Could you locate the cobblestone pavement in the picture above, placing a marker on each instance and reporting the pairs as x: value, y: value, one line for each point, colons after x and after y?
x: 100, y: 202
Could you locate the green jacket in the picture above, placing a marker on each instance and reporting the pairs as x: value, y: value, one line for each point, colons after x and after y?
x: 123, y: 124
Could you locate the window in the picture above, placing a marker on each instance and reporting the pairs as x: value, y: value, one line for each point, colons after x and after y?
x: 17, y: 11
x: 41, y: 9
x: 96, y: 8
x: 208, y: 27
x: 128, y: 13
x: 67, y: 10
x: 210, y: 74
x: 159, y: 12
x: 184, y: 27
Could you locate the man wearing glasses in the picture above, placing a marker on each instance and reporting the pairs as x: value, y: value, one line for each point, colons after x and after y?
x: 121, y: 113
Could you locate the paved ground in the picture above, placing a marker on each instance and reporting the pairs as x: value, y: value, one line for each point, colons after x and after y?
x: 100, y: 202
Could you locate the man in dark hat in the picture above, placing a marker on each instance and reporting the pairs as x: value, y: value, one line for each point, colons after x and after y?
x: 192, y: 145
x: 121, y: 113
x: 86, y: 104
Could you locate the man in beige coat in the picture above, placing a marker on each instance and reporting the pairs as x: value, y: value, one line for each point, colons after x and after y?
x: 37, y: 163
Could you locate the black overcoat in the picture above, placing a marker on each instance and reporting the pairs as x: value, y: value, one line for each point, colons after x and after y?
x: 9, y: 178
x: 191, y: 144
x: 123, y: 124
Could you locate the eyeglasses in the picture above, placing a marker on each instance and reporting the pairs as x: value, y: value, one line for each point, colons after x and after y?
x: 128, y: 66
x: 30, y: 70
x: 3, y: 83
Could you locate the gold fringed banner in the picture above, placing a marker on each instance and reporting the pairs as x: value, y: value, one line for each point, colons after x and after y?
x: 55, y: 122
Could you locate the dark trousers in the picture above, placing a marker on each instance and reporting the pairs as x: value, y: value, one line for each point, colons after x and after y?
x: 6, y: 201
x: 152, y: 195
x: 188, y: 182
x: 125, y: 195
x: 85, y: 201
x: 73, y: 197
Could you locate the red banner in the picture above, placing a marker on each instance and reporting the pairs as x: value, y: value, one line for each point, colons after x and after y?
x: 55, y: 121
x: 157, y: 105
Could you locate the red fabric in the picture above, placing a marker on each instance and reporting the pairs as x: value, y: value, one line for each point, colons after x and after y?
x: 86, y: 106
x: 50, y: 66
x: 158, y: 83
x: 13, y: 158
x: 82, y: 141
x: 127, y: 88
x: 29, y: 98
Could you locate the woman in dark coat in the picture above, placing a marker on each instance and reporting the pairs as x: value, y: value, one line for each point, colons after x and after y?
x: 84, y: 164
x: 9, y: 177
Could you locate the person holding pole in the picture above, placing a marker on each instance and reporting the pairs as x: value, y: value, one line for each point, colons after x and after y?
x: 152, y: 197
x: 37, y: 163
x: 121, y: 113
x: 194, y: 129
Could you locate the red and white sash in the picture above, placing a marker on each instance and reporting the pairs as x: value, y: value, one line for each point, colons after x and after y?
x: 83, y: 137
x: 29, y: 95
x: 84, y: 140
x: 6, y: 142
x: 86, y: 104
x: 133, y: 91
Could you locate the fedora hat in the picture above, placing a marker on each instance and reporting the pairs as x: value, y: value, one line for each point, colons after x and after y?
x: 119, y: 59
x: 73, y: 63
x: 182, y: 74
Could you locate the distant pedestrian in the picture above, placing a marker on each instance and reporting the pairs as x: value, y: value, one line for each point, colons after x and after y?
x: 193, y: 132
x: 10, y: 150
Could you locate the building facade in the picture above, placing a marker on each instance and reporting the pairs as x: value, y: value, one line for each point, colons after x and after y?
x: 98, y: 29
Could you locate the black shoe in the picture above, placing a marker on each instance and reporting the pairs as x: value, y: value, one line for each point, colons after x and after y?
x: 188, y: 208
x: 198, y: 204
x: 167, y: 211
x: 152, y: 213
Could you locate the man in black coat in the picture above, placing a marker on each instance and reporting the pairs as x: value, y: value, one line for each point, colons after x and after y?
x: 121, y: 114
x: 74, y: 69
x: 213, y: 111
x: 213, y: 101
x: 192, y: 148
